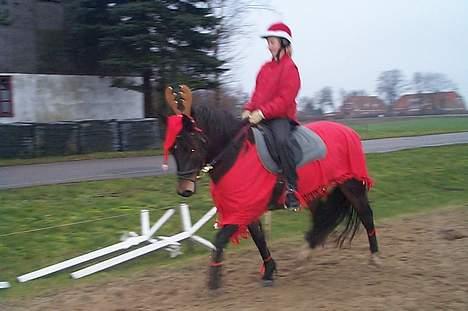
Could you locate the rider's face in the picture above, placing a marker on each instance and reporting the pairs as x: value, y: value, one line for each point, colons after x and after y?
x: 274, y: 45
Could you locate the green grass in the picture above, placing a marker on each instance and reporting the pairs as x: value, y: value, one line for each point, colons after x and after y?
x: 367, y: 128
x: 406, y: 182
x: 383, y: 128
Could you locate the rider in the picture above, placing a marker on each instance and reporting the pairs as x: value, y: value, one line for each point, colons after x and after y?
x: 273, y: 102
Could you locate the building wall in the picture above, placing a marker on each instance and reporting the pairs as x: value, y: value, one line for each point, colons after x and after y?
x: 48, y: 98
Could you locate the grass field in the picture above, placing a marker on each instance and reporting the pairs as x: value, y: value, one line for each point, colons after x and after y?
x: 406, y: 182
x: 394, y: 127
x: 367, y: 128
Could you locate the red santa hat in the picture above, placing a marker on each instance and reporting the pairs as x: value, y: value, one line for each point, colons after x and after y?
x: 174, y: 126
x: 279, y: 30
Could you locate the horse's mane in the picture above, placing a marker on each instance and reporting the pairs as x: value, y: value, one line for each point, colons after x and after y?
x: 218, y: 123
x: 220, y: 126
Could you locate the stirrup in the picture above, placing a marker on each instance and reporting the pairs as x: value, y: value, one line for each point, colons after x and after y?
x: 291, y: 202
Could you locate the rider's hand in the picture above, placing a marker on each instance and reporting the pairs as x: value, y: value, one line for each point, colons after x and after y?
x: 256, y: 116
x: 245, y: 114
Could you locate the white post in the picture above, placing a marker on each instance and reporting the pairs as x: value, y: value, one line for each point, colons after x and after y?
x: 267, y: 227
x: 161, y: 221
x: 170, y: 243
x: 128, y: 256
x: 4, y: 285
x: 185, y: 217
x: 145, y: 222
x: 81, y: 259
x: 174, y: 240
x: 203, y: 242
x: 131, y: 241
x: 202, y: 220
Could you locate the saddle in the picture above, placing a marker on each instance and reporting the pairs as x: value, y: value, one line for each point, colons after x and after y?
x: 305, y: 146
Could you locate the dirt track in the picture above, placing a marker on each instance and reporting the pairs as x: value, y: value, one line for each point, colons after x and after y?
x: 425, y: 267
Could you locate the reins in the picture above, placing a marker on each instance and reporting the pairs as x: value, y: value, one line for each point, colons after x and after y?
x: 209, y: 166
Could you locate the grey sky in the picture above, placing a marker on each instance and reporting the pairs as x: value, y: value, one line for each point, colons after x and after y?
x: 346, y: 44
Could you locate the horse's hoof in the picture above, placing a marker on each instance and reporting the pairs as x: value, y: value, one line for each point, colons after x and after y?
x: 375, y: 260
x: 214, y: 279
x: 214, y: 285
x: 268, y: 283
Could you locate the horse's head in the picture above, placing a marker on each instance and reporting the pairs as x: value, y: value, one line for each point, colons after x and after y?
x: 184, y: 140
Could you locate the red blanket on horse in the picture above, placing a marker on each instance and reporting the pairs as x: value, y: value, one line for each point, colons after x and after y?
x: 243, y: 193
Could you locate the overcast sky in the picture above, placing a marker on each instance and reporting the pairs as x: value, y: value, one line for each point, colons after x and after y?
x: 346, y: 44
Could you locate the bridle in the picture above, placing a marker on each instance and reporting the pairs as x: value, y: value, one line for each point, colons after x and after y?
x: 207, y: 167
x: 240, y: 134
x: 183, y: 98
x: 186, y: 175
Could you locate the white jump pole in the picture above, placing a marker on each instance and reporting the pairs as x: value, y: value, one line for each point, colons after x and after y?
x: 128, y: 256
x: 187, y: 233
x: 131, y: 241
x: 4, y: 285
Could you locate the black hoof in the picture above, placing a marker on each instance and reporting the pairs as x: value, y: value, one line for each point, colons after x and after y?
x: 270, y: 269
x: 214, y: 280
x: 213, y: 286
x: 268, y: 283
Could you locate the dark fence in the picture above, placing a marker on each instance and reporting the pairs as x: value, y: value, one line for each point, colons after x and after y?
x: 25, y: 140
x: 17, y: 140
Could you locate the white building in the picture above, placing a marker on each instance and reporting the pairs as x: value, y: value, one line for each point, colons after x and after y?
x: 48, y: 98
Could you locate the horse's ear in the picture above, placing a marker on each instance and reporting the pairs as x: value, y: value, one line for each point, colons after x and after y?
x: 186, y: 95
x: 171, y: 100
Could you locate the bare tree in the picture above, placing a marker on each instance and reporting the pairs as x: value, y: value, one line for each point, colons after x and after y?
x: 231, y: 30
x: 390, y: 84
x: 308, y: 106
x: 423, y: 82
x: 345, y: 94
x: 324, y: 99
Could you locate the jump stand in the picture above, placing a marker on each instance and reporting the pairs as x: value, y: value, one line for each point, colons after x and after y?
x: 4, y: 285
x: 171, y: 244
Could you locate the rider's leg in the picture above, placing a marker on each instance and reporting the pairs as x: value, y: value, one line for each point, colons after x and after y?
x: 281, y: 129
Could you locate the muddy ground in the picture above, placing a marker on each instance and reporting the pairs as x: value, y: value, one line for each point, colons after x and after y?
x: 424, y: 267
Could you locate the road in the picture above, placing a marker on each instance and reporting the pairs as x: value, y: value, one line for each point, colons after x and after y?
x: 75, y: 171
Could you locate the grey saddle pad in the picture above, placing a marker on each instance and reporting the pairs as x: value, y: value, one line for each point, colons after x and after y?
x: 310, y: 147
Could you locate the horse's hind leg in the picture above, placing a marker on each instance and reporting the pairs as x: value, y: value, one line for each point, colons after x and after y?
x: 222, y: 238
x: 256, y: 232
x: 356, y: 192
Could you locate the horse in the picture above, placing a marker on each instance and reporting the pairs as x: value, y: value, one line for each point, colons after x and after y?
x: 334, y: 189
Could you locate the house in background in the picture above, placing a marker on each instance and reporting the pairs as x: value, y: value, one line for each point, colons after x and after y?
x: 49, y: 98
x: 429, y: 103
x: 362, y: 106
x: 34, y: 85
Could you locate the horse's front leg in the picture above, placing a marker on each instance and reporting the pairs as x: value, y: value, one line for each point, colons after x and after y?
x: 222, y: 238
x: 256, y: 232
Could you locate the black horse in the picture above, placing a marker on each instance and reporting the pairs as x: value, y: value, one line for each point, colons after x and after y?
x: 212, y: 135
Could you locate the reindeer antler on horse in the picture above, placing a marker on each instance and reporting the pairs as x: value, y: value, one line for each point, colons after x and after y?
x: 334, y: 188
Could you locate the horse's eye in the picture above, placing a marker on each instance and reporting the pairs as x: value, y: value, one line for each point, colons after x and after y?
x: 193, y: 150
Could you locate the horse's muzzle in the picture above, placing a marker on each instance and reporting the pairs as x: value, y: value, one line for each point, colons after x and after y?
x: 186, y: 187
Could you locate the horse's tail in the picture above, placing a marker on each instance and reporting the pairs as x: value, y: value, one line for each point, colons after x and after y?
x: 328, y: 214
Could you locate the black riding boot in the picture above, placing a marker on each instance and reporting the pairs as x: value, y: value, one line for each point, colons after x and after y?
x: 291, y: 203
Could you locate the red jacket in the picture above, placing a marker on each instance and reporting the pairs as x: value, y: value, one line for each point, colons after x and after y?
x: 276, y: 89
